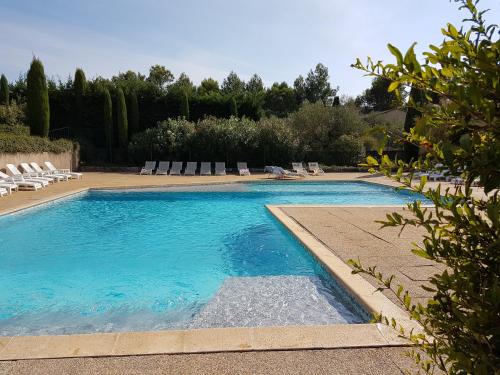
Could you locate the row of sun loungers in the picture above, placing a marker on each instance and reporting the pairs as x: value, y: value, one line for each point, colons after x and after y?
x: 440, y: 174
x: 176, y: 168
x: 33, y: 177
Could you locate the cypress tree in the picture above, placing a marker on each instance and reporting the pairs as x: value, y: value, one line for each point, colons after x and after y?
x: 37, y: 100
x: 79, y: 86
x: 185, y: 106
x: 108, y: 122
x: 4, y: 91
x: 133, y: 113
x: 121, y: 118
x: 234, y: 107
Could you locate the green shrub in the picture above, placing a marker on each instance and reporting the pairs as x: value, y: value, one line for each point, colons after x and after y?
x: 37, y: 110
x: 13, y: 143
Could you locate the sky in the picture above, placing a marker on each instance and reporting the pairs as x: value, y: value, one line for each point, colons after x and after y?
x: 276, y: 39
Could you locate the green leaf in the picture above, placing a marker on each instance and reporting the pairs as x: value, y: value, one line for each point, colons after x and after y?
x: 396, y: 53
x: 393, y: 86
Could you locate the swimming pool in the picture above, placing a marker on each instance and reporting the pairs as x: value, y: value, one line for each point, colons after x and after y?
x: 107, y: 261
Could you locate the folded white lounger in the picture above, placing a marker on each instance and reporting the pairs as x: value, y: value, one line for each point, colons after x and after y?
x: 53, y: 169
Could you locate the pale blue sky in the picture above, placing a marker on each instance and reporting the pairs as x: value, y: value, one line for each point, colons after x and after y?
x: 276, y: 39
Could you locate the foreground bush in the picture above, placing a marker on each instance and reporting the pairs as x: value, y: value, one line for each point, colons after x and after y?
x: 12, y: 143
x: 460, y: 129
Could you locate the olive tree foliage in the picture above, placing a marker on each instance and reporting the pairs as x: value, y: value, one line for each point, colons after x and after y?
x: 461, y: 323
x: 324, y: 129
x: 37, y: 100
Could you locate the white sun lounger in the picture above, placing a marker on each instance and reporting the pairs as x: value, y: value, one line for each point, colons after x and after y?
x: 3, y: 191
x: 148, y: 168
x: 299, y: 169
x: 18, y: 175
x: 163, y: 167
x: 54, y: 170
x: 315, y: 169
x: 43, y: 173
x: 21, y: 183
x: 190, y: 169
x: 31, y: 172
x: 9, y: 185
x: 206, y: 168
x: 220, y: 168
x: 175, y: 169
x: 243, y: 168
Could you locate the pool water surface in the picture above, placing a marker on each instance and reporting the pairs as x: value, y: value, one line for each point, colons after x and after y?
x: 106, y: 261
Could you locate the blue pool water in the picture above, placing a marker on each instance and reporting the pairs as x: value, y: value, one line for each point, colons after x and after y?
x: 142, y: 260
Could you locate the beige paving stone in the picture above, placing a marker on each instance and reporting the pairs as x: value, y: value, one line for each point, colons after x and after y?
x: 149, y: 342
x: 3, y: 342
x: 80, y: 345
x: 25, y: 347
x: 295, y: 337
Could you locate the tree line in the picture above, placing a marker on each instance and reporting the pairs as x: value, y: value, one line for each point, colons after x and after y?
x: 104, y: 114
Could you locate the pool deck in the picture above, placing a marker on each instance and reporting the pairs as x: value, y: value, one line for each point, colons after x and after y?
x: 332, y: 234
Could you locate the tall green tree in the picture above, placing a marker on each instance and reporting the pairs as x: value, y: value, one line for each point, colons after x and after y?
x: 459, y: 133
x: 316, y: 86
x: 37, y: 100
x: 79, y: 87
x: 4, y: 90
x: 185, y: 106
x: 280, y: 100
x: 133, y: 113
x: 108, y: 122
x: 160, y: 76
x: 233, y: 85
x: 208, y: 86
x: 254, y: 85
x: 378, y: 98
x: 121, y: 118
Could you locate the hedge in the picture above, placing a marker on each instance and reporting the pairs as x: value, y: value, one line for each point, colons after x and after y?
x: 13, y: 143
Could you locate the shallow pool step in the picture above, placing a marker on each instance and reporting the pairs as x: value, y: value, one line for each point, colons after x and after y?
x: 273, y: 301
